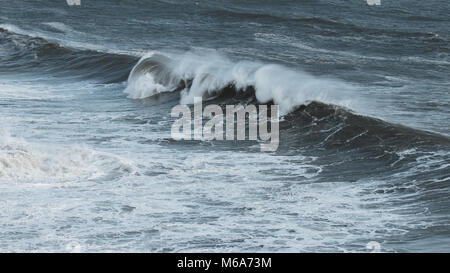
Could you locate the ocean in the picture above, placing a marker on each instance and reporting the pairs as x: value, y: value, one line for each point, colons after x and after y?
x: 88, y: 164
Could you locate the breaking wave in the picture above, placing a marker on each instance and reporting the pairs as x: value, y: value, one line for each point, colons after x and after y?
x: 207, y: 73
x: 22, y: 160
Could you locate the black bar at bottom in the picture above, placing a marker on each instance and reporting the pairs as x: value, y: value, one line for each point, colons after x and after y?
x: 218, y: 262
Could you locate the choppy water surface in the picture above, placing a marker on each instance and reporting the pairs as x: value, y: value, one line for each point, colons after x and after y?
x: 87, y: 162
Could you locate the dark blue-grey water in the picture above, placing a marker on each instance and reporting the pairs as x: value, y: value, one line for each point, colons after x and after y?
x: 86, y: 159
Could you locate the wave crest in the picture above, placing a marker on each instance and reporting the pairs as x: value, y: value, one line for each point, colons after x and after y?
x: 207, y: 73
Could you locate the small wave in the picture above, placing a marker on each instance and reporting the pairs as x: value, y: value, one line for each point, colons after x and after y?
x: 343, y: 25
x: 298, y: 43
x: 274, y: 18
x: 207, y: 73
x: 59, y: 26
x: 25, y: 161
x: 30, y: 51
x: 63, y: 42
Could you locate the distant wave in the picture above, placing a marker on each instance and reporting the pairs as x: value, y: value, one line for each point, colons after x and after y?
x: 343, y: 26
x: 265, y: 16
x: 67, y: 43
x: 29, y: 51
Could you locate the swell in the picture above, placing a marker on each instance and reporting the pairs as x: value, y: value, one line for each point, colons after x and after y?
x: 334, y: 27
x: 22, y: 53
x: 322, y: 127
x: 315, y: 110
x: 316, y: 126
x: 234, y: 14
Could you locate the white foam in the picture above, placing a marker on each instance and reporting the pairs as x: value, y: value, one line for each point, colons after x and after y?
x: 144, y: 86
x: 59, y: 26
x: 24, y: 161
x: 210, y: 72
